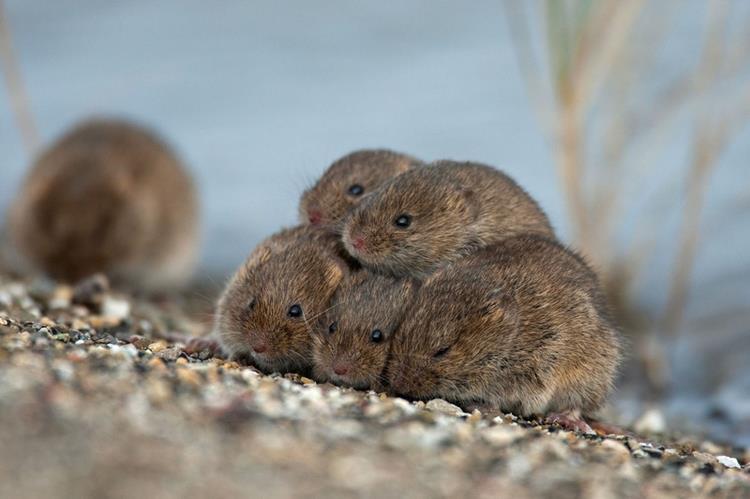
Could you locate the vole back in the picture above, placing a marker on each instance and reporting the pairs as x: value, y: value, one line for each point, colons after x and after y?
x: 521, y: 326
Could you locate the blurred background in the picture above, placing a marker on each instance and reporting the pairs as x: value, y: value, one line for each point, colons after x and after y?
x: 628, y: 121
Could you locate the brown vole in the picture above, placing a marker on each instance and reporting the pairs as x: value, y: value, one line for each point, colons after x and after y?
x: 521, y: 326
x: 427, y: 217
x: 352, y: 339
x: 343, y: 185
x: 108, y: 196
x: 265, y: 313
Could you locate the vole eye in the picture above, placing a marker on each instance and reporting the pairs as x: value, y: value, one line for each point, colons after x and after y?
x: 402, y: 221
x: 251, y: 305
x: 356, y: 190
x: 295, y: 311
x: 332, y: 328
x: 441, y: 352
x: 376, y: 336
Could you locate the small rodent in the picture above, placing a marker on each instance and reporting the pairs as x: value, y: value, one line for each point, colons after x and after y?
x: 427, y: 217
x: 352, y: 339
x: 109, y: 196
x: 343, y: 185
x: 266, y: 312
x: 521, y: 326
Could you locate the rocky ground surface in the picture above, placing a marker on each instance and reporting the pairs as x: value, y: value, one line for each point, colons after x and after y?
x: 96, y: 401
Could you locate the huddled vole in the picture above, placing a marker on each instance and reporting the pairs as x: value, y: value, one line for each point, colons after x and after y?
x: 265, y: 313
x: 344, y: 184
x: 111, y: 197
x: 521, y: 326
x: 352, y: 339
x: 427, y: 217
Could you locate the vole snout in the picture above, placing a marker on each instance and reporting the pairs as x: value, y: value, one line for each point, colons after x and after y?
x: 341, y: 366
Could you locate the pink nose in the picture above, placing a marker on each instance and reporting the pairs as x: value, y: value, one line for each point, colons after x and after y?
x: 260, y: 347
x: 340, y: 369
x: 358, y: 242
x: 315, y: 216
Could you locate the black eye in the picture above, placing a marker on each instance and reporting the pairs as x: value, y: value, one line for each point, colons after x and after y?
x: 403, y: 221
x: 332, y: 328
x: 356, y: 190
x: 251, y: 305
x: 295, y: 311
x: 376, y: 336
x: 441, y: 352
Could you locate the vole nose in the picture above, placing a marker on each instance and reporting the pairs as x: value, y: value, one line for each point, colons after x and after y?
x: 340, y: 368
x: 315, y: 217
x: 358, y: 242
x: 260, y: 346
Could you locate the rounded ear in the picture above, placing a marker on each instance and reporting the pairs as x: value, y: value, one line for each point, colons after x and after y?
x: 336, y: 270
x: 259, y: 255
x: 472, y: 203
x: 502, y: 307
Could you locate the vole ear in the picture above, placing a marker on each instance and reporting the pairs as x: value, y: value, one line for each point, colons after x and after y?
x: 502, y: 307
x: 471, y: 201
x: 259, y: 255
x: 336, y: 271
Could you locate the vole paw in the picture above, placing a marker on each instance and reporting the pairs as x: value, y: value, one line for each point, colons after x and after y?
x: 569, y: 421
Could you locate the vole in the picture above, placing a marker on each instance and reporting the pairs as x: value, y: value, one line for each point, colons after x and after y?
x: 347, y: 181
x: 520, y: 326
x: 427, y: 217
x: 264, y: 315
x: 109, y: 196
x: 352, y: 339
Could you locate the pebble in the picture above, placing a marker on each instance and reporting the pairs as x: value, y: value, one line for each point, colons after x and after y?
x: 652, y: 421
x: 115, y: 308
x: 729, y: 462
x: 157, y: 346
x: 440, y: 405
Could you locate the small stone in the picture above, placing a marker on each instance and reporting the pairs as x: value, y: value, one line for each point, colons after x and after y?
x: 170, y: 354
x: 501, y: 436
x: 652, y: 421
x: 90, y: 292
x: 616, y: 447
x: 475, y: 416
x: 157, y: 346
x: 729, y: 462
x: 46, y: 321
x: 157, y: 364
x: 80, y: 325
x: 189, y: 377
x: 303, y: 380
x: 61, y: 298
x: 440, y: 405
x: 115, y: 308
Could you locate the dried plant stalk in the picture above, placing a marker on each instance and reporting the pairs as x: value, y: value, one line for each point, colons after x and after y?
x: 19, y: 100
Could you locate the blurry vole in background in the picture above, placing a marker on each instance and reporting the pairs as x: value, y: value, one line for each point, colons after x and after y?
x: 111, y: 197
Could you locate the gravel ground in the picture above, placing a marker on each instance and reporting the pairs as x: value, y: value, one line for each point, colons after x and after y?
x: 96, y: 401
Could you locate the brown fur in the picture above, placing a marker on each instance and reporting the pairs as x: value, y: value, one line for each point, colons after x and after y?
x: 108, y: 197
x: 455, y: 208
x: 362, y: 304
x: 525, y: 326
x: 295, y: 266
x: 329, y: 197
